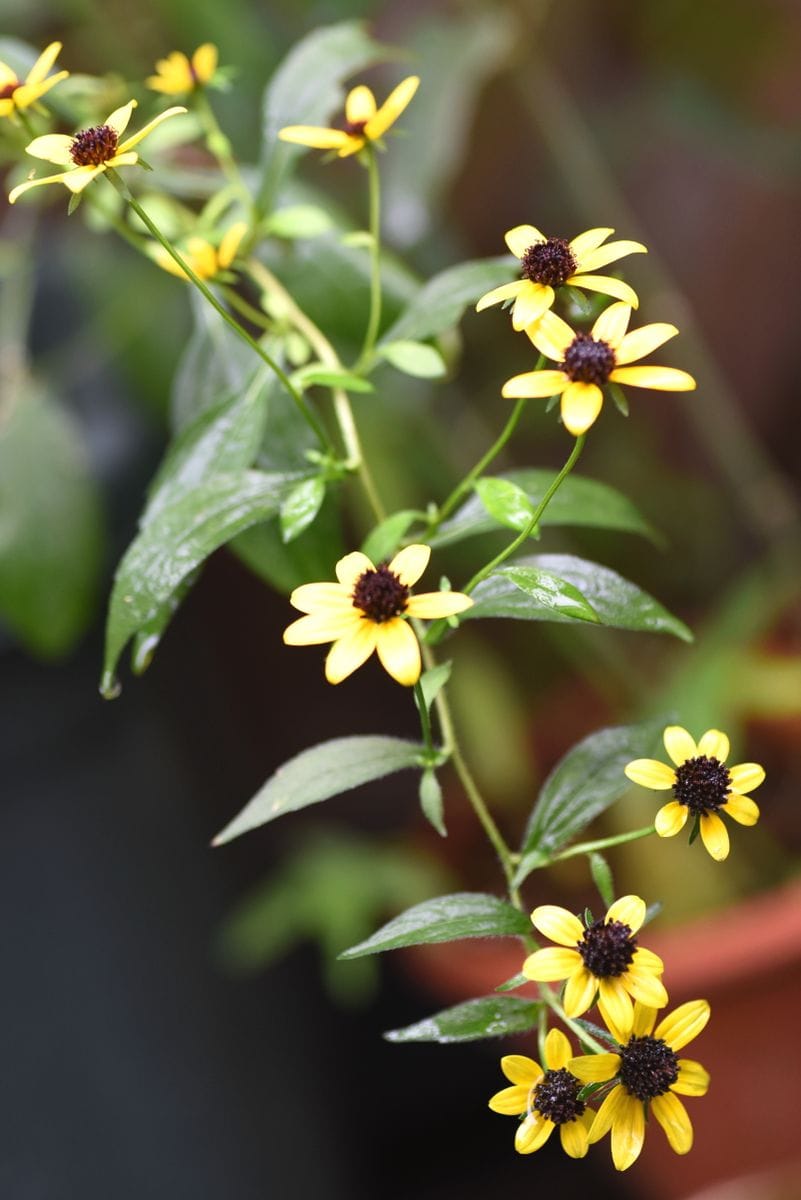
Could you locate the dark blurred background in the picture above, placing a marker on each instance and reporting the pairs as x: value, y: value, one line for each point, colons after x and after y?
x: 149, y: 1050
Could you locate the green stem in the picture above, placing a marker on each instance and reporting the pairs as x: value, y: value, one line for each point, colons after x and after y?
x: 535, y: 517
x: 601, y: 844
x: 208, y: 295
x: 374, y: 319
x: 551, y: 1000
x: 220, y: 147
x: 425, y: 719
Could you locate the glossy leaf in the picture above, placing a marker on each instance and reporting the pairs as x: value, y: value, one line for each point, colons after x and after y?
x: 383, y: 541
x: 548, y: 592
x: 506, y: 503
x: 215, y: 363
x: 319, y: 773
x: 486, y: 1017
x: 440, y: 303
x: 301, y: 506
x: 284, y: 566
x: 446, y: 919
x: 431, y: 801
x: 413, y: 358
x: 579, y: 502
x: 616, y: 602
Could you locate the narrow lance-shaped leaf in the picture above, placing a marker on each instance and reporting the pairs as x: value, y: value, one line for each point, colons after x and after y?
x: 506, y: 502
x: 486, y: 1017
x: 549, y: 593
x: 384, y: 540
x: 321, y: 772
x: 431, y: 801
x: 446, y: 919
x: 301, y: 506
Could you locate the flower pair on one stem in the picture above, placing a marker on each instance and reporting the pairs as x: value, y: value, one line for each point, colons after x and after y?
x: 17, y: 95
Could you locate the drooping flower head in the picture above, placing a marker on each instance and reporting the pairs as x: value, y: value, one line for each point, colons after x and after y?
x: 588, y: 361
x: 549, y: 262
x: 646, y: 1075
x: 205, y: 259
x: 177, y: 74
x: 602, y: 958
x: 16, y: 95
x: 546, y: 1099
x: 363, y: 121
x: 90, y: 152
x: 703, y: 786
x: 368, y: 609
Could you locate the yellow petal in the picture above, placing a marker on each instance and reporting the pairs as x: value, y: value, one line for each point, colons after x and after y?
x: 607, y: 286
x: 646, y: 960
x: 645, y: 987
x: 607, y: 1113
x: 231, y: 241
x: 611, y: 252
x: 644, y: 1019
x: 581, y: 403
x: 745, y: 777
x: 558, y: 924
x: 349, y: 568
x: 671, y: 819
x: 204, y: 62
x: 322, y: 627
x: 533, y: 299
x: 29, y: 93
x: 659, y: 379
x: 505, y: 292
x: 532, y: 1133
x: 557, y: 1050
x: 573, y: 1135
x: 392, y: 107
x: 628, y: 1132
x: 521, y: 237
x: 594, y: 1068
x: 672, y: 1116
x: 683, y: 1024
x: 315, y: 136
x: 642, y: 341
x: 510, y: 1101
x: 615, y: 1006
x: 612, y: 324
x: 151, y: 125
x: 173, y: 75
x: 580, y: 992
x: 650, y: 773
x: 585, y: 242
x: 348, y: 654
x: 43, y: 63
x: 360, y: 105
x: 81, y: 177
x: 535, y: 383
x: 16, y: 192
x: 741, y: 809
x: 715, y: 836
x: 679, y: 745
x: 53, y: 147
x: 693, y: 1079
x: 118, y: 120
x: 714, y: 744
x: 410, y: 563
x: 518, y: 1068
x: 330, y: 596
x: 629, y: 910
x: 202, y: 257
x: 351, y: 145
x: 431, y: 605
x: 551, y: 336
x: 551, y: 964
x: 398, y: 650
x: 6, y: 105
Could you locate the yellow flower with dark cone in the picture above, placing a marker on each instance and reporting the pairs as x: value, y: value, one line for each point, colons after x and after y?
x: 590, y: 360
x: 367, y: 610
x: 703, y: 786
x: 16, y: 95
x: 206, y: 260
x: 549, y: 262
x: 647, y: 1075
x: 546, y: 1099
x: 177, y: 74
x: 90, y: 151
x: 601, y: 958
x: 363, y: 121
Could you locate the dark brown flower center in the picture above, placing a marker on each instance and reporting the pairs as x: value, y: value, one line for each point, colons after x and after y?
x: 648, y: 1067
x: 380, y: 594
x: 607, y: 949
x: 8, y: 90
x: 355, y: 128
x: 556, y: 1097
x: 551, y: 262
x: 588, y: 360
x: 702, y: 784
x: 94, y: 146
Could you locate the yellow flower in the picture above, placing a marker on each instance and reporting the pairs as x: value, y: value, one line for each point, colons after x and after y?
x: 90, y: 151
x: 547, y: 1098
x: 589, y: 360
x: 702, y: 785
x: 603, y: 957
x: 176, y: 73
x: 206, y: 260
x: 647, y: 1075
x: 549, y: 262
x: 15, y: 95
x: 367, y: 610
x: 363, y: 121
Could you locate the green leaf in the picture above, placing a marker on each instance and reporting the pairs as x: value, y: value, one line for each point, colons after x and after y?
x: 584, y: 784
x: 602, y: 877
x: 486, y: 1017
x: 216, y: 363
x: 431, y: 800
x: 182, y: 535
x: 301, y: 506
x: 548, y: 592
x: 383, y: 541
x: 51, y: 527
x: 326, y: 377
x: 518, y: 980
x: 440, y: 303
x: 298, y: 221
x: 307, y: 89
x: 446, y: 919
x: 433, y: 680
x: 617, y: 603
x: 309, y: 558
x: 413, y: 358
x: 506, y: 503
x: 579, y: 501
x: 321, y: 772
